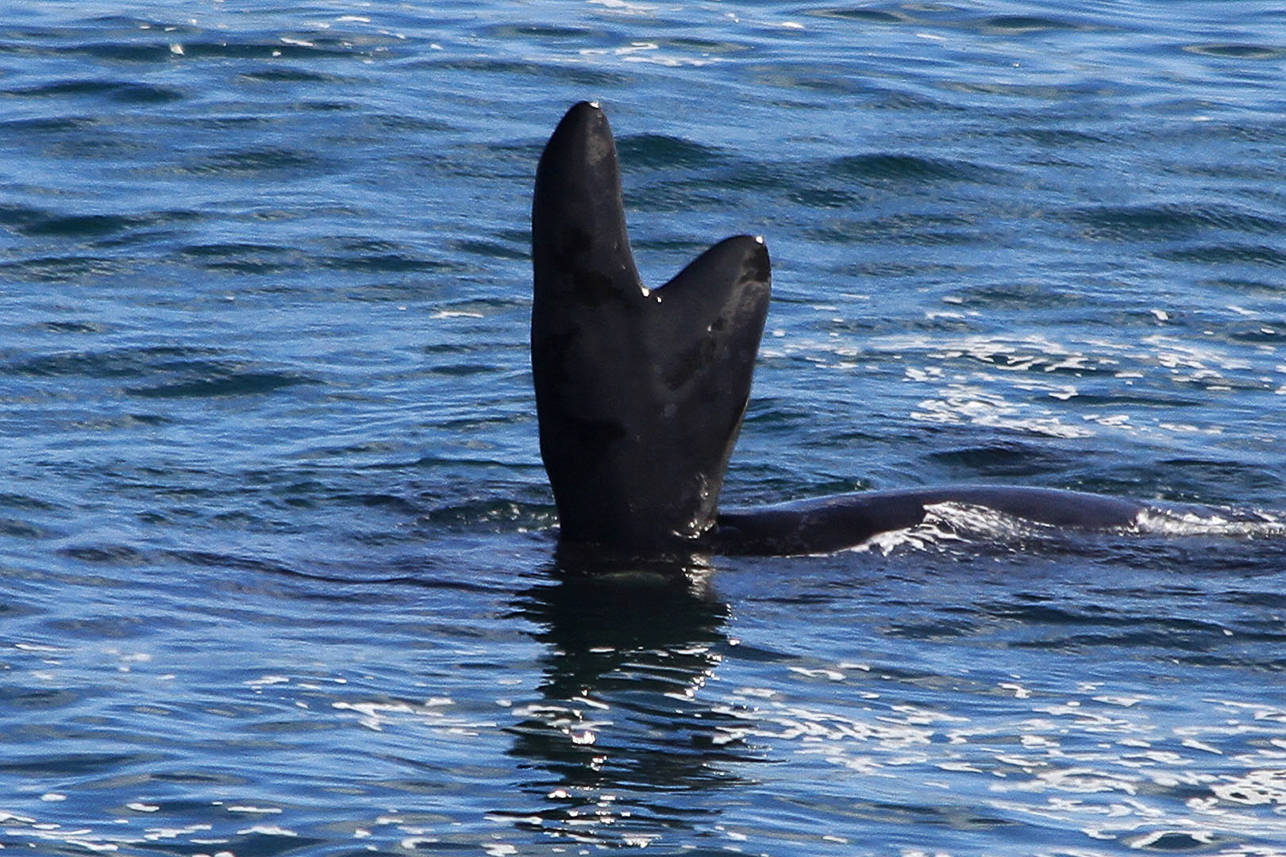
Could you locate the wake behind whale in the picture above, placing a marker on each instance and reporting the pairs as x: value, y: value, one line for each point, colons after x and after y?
x: 641, y: 392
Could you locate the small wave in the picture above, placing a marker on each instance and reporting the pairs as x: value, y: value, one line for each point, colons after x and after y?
x: 659, y: 150
x: 509, y: 249
x: 947, y: 524
x: 61, y: 269
x: 80, y: 225
x: 258, y: 160
x: 490, y: 514
x: 52, y: 126
x: 230, y: 384
x: 1232, y: 253
x: 958, y: 523
x: 122, y: 92
x: 891, y: 166
x: 110, y: 363
x: 537, y: 32
x: 109, y: 554
x: 1236, y: 523
x: 177, y: 371
x: 1114, y: 221
x: 1022, y: 24
x: 242, y: 258
x: 393, y: 263
x: 864, y: 14
x: 287, y: 75
x: 1237, y: 51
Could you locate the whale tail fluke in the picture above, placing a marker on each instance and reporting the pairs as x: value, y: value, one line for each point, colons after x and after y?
x: 640, y: 392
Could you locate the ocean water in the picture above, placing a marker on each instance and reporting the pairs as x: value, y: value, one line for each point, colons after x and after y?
x: 278, y: 562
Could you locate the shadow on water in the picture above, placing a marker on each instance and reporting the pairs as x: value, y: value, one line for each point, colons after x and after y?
x: 620, y: 735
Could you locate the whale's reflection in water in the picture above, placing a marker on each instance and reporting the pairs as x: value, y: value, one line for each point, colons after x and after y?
x: 620, y: 734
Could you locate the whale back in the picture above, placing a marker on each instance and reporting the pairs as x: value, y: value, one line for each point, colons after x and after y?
x: 640, y: 393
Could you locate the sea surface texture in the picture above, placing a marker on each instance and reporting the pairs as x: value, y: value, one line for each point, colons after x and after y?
x: 279, y: 569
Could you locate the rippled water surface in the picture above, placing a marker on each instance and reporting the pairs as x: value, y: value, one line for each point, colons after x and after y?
x: 279, y: 566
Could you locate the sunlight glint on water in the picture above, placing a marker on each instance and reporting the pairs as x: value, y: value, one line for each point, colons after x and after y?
x: 280, y: 573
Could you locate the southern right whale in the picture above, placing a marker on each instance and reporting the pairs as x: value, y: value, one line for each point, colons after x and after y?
x: 640, y: 393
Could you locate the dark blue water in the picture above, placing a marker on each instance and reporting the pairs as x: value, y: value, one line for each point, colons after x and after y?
x: 277, y: 562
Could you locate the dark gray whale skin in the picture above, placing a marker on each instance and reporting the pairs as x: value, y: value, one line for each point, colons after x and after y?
x: 829, y: 524
x: 640, y: 394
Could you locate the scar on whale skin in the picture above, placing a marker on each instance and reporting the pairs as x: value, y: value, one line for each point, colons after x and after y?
x: 641, y: 392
